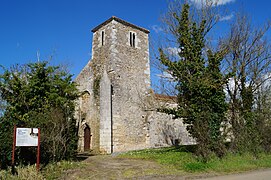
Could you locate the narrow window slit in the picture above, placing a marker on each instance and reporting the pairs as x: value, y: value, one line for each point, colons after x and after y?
x: 131, y: 43
x: 102, y: 38
x: 133, y: 40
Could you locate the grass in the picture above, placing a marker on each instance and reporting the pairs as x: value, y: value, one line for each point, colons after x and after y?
x: 55, y: 170
x: 24, y: 173
x: 51, y: 171
x: 183, y: 160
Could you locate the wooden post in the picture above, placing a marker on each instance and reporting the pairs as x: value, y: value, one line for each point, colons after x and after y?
x: 13, y: 150
x: 38, y: 153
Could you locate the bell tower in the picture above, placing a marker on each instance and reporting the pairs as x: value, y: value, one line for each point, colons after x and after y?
x: 118, y: 76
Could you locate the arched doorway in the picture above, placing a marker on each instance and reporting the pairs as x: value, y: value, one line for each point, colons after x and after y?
x: 87, y: 138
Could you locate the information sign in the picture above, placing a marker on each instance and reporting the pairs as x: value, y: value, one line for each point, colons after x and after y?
x: 27, y: 136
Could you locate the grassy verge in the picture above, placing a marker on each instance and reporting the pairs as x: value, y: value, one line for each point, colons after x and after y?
x: 55, y: 170
x: 51, y: 171
x: 24, y: 173
x: 183, y: 160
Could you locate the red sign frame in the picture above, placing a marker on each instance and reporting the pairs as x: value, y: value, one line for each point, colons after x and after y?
x: 14, y: 147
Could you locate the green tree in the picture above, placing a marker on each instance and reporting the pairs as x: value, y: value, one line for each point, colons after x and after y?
x: 42, y: 96
x: 199, y: 82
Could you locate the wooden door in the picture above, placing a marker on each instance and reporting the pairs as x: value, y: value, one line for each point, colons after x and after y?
x: 87, y: 139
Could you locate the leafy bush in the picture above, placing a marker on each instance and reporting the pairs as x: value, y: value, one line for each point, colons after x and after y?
x: 41, y: 96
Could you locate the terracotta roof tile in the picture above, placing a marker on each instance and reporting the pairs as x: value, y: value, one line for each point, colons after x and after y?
x: 165, y: 97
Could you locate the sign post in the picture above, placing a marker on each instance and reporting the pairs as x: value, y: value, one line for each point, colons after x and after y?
x: 26, y: 137
x: 38, y: 153
x: 13, y: 151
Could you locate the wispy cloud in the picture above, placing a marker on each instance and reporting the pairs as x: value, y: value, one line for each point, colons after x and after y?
x: 227, y: 17
x: 202, y: 3
x: 165, y: 75
x: 157, y: 28
x: 173, y: 50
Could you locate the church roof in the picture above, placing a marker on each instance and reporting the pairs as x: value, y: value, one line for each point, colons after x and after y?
x: 164, y: 97
x: 120, y: 21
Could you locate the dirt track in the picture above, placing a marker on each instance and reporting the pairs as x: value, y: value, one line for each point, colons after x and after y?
x: 108, y: 167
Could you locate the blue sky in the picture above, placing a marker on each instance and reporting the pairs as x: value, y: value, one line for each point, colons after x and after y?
x: 61, y: 28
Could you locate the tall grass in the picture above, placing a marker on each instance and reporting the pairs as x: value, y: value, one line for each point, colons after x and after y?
x: 51, y: 171
x: 23, y: 173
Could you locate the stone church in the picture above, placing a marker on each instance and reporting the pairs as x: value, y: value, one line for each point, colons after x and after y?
x: 116, y: 108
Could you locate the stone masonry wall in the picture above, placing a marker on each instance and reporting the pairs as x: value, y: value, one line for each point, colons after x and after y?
x: 131, y: 83
x: 87, y: 109
x: 166, y: 131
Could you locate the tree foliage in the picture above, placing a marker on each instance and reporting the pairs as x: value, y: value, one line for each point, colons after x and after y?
x: 199, y: 82
x: 42, y: 96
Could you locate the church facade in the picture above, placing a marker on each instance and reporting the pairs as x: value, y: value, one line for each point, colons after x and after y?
x: 116, y: 108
